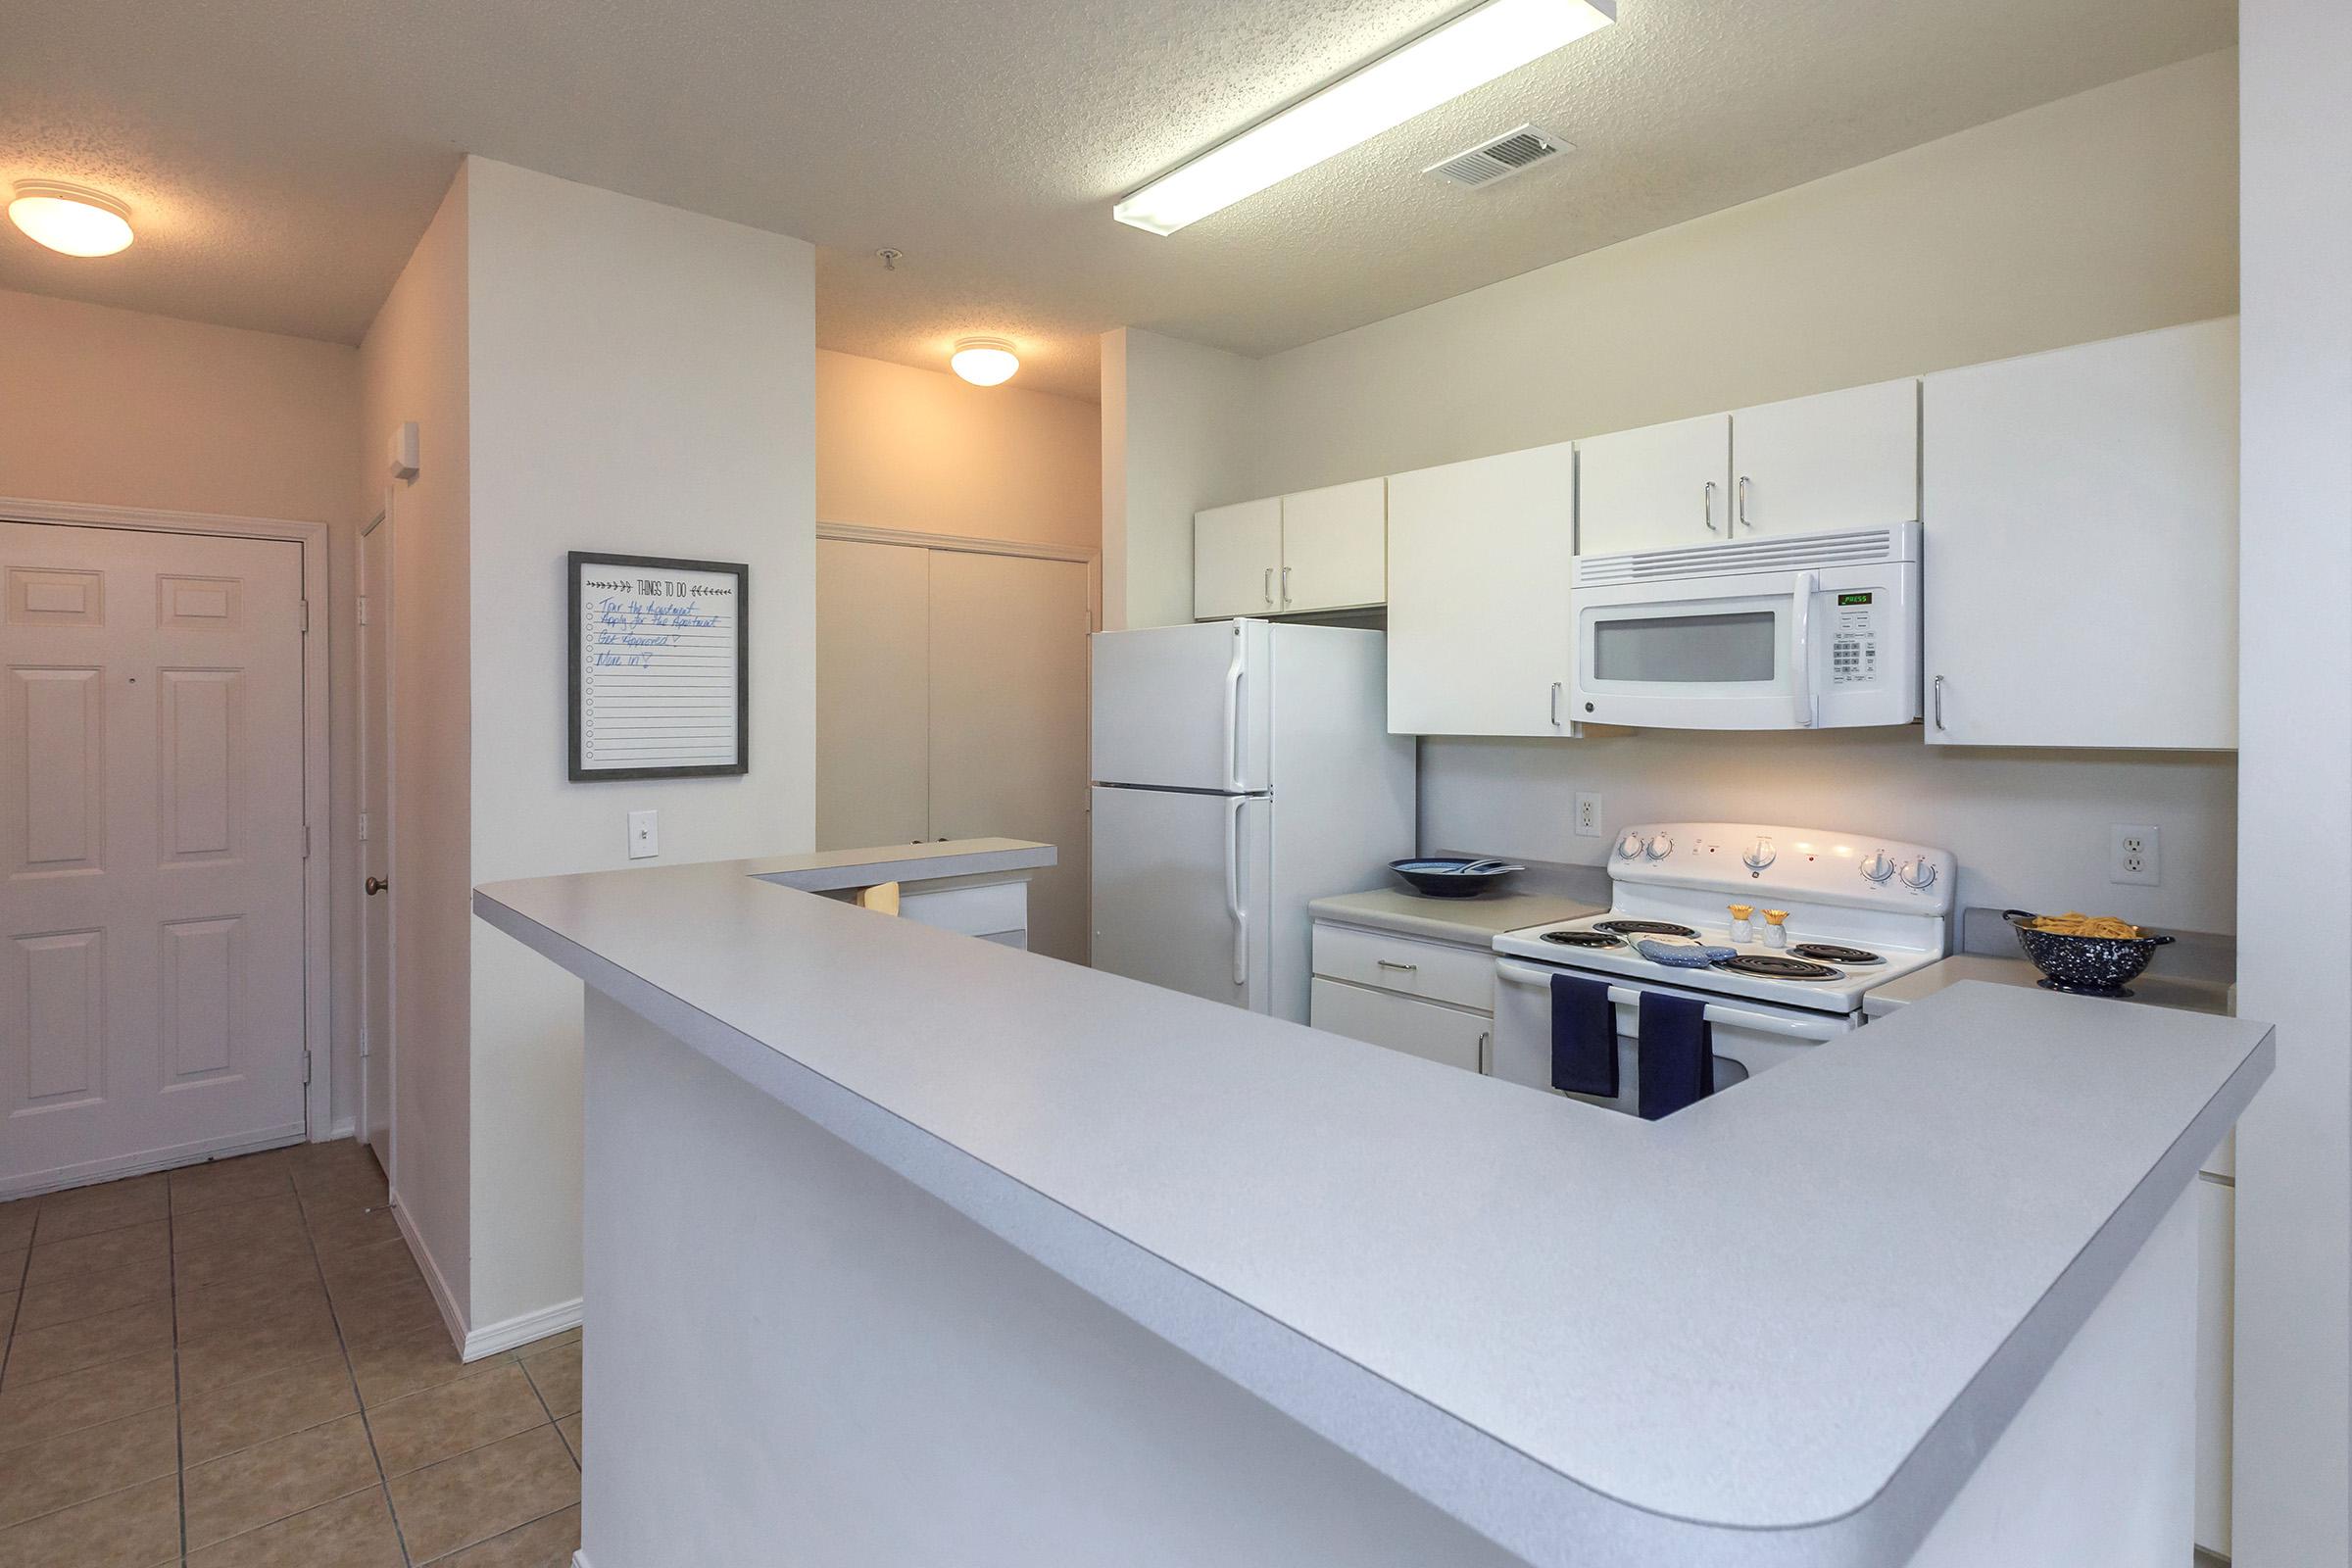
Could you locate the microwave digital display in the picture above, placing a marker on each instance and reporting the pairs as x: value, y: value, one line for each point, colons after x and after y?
x: 1853, y: 599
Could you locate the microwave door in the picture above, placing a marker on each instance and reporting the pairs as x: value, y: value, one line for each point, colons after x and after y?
x: 1704, y: 654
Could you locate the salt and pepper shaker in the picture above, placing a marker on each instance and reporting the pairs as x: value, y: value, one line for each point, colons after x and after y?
x: 1742, y: 929
x: 1775, y: 933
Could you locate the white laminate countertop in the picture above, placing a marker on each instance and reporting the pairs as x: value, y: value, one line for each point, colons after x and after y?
x: 1469, y: 922
x: 1778, y: 1330
x: 2210, y: 997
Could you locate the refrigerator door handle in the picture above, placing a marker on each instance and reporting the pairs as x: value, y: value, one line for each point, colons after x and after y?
x: 1234, y: 717
x: 1232, y: 889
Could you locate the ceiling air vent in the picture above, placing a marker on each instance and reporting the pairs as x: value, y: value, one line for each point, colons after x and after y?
x: 1500, y: 158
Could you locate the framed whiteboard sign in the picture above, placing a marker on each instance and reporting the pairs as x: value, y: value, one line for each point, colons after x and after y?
x: 658, y: 655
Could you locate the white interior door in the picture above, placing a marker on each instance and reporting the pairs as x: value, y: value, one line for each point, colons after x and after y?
x: 376, y: 839
x: 1181, y: 892
x: 873, y: 695
x: 1007, y: 722
x: 151, y: 848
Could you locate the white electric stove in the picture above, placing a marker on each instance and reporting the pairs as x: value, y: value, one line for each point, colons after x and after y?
x: 1858, y: 912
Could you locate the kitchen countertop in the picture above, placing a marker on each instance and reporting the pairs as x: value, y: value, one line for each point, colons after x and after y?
x: 1469, y: 922
x: 2209, y: 997
x: 1780, y: 1327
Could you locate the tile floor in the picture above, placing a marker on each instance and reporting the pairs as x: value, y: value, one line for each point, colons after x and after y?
x: 237, y: 1365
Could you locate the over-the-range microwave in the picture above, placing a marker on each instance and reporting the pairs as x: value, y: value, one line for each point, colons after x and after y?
x: 1799, y: 631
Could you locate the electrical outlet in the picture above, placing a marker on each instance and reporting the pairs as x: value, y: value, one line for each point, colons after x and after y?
x: 2134, y: 854
x: 645, y: 835
x: 1588, y: 814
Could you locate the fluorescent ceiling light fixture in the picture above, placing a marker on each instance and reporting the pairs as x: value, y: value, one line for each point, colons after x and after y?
x: 70, y: 218
x: 983, y: 360
x: 1442, y: 64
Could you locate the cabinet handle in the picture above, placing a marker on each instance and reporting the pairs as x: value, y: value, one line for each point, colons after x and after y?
x: 1555, y: 704
x: 1392, y: 963
x: 1741, y: 507
x: 1269, y: 588
x: 1485, y: 1052
x: 1939, y: 702
x: 1710, y: 512
x: 1286, y: 587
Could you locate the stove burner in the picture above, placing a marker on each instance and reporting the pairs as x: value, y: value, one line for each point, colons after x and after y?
x: 1771, y: 968
x: 1644, y: 928
x: 1584, y: 939
x: 1832, y: 952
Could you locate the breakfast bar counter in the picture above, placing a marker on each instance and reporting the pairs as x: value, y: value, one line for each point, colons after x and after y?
x: 907, y: 1249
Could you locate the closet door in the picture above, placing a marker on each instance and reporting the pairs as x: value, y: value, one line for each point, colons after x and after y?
x: 1008, y: 723
x: 873, y: 695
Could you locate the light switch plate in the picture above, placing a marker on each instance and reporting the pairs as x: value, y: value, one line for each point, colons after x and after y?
x: 645, y: 835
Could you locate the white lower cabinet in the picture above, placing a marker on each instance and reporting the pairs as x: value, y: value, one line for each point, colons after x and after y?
x: 1430, y: 1030
x: 2217, y: 1277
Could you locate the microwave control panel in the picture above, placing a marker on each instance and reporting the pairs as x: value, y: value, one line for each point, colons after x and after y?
x: 1855, y: 640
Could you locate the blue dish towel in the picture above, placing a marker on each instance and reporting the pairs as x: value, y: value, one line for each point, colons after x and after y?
x: 1584, y: 1037
x: 1677, y: 1052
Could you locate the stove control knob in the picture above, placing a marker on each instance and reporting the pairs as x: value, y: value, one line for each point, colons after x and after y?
x: 1920, y: 874
x: 1760, y: 855
x: 1877, y: 868
x: 1629, y: 846
x: 1659, y: 848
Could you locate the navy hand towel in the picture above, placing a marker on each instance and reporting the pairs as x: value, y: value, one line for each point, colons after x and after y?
x: 1584, y: 1037
x: 1677, y: 1052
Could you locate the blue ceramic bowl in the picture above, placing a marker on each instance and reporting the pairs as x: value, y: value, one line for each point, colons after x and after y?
x: 1454, y: 876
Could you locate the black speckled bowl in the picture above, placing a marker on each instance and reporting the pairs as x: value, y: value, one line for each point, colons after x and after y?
x: 2096, y: 967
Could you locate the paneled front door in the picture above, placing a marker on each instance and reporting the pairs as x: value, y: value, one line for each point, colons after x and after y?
x: 151, y: 848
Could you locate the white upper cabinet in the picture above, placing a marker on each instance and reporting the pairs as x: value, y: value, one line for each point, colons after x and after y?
x: 2081, y: 534
x: 1663, y: 486
x: 1335, y: 548
x: 1480, y: 556
x: 1236, y: 558
x: 1843, y: 460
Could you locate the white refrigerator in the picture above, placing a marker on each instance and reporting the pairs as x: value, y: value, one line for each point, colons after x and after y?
x: 1240, y: 768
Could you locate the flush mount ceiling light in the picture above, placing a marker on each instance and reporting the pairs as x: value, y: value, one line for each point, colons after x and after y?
x: 70, y: 218
x: 1442, y: 64
x: 983, y: 360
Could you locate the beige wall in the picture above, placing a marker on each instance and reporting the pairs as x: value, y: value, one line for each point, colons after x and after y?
x: 640, y: 381
x: 414, y: 361
x: 924, y: 452
x: 116, y: 408
x: 2106, y: 213
x: 2099, y: 214
x: 1180, y: 426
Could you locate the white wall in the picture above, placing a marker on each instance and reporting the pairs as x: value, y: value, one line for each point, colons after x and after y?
x: 1178, y: 434
x: 414, y: 365
x: 641, y: 381
x: 2111, y: 212
x: 926, y: 452
x: 122, y: 408
x: 2294, y: 1146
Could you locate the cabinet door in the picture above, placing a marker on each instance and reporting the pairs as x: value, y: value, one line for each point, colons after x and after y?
x: 1421, y: 1029
x: 1237, y: 554
x: 1335, y: 548
x: 2079, y: 537
x: 1480, y: 554
x: 1843, y: 460
x: 1661, y: 486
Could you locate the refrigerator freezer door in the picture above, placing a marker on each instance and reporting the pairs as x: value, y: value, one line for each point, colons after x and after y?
x: 1183, y: 707
x: 1180, y: 886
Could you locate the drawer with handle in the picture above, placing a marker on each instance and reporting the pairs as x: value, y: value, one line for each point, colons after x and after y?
x: 1425, y: 1029
x: 1463, y: 976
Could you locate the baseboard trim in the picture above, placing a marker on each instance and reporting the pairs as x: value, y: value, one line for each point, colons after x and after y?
x: 452, y: 1317
x: 579, y: 1559
x: 522, y: 1330
x: 348, y: 1127
x: 139, y: 1164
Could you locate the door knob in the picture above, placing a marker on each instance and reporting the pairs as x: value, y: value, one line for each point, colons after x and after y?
x: 376, y: 885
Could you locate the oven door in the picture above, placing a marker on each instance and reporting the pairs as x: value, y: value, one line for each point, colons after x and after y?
x: 1750, y: 1037
x: 1783, y: 650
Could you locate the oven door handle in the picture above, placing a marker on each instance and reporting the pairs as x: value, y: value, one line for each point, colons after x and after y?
x: 1800, y: 649
x: 1521, y: 974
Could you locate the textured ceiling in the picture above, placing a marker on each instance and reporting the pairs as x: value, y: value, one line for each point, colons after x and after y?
x: 283, y: 155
